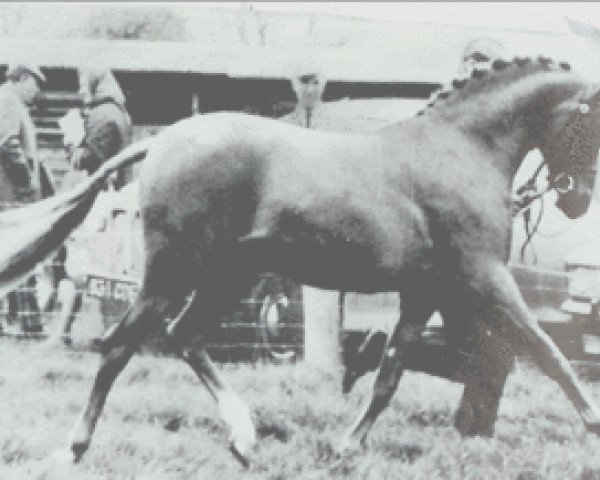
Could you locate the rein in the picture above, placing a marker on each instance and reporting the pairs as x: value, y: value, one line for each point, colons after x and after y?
x: 528, y: 193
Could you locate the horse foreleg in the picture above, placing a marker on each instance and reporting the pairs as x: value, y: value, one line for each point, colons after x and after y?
x: 414, y: 314
x: 232, y: 409
x: 496, y: 288
x: 123, y: 345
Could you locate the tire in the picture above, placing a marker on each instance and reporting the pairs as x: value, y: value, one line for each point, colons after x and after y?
x: 274, y: 314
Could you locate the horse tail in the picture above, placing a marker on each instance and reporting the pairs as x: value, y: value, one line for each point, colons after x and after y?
x: 31, y: 234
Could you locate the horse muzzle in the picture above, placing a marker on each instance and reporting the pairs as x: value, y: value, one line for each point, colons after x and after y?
x: 574, y: 196
x: 574, y: 203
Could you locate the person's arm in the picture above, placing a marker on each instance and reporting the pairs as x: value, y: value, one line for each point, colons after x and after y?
x: 102, y: 140
x: 8, y: 128
x: 27, y: 135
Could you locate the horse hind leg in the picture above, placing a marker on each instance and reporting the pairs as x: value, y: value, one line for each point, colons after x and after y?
x: 415, y: 311
x: 125, y: 340
x: 232, y: 409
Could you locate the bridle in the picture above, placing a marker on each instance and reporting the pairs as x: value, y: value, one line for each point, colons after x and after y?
x: 529, y: 192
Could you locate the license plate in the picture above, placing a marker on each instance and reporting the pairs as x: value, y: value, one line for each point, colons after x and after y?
x: 111, y: 288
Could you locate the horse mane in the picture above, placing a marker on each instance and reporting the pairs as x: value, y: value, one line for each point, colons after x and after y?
x: 486, y: 69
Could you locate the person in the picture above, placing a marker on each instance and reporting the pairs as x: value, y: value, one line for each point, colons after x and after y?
x: 107, y: 124
x: 321, y: 307
x: 20, y: 170
x: 477, y: 50
x: 308, y: 85
x: 272, y: 293
x: 59, y: 292
x: 18, y: 135
x: 106, y: 131
x: 110, y: 223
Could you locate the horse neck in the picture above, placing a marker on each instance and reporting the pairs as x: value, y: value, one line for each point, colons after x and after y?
x: 509, y: 121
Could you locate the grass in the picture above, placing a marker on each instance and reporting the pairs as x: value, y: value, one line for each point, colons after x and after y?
x: 159, y: 423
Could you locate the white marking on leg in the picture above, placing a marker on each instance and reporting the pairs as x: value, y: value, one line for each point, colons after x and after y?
x: 236, y: 414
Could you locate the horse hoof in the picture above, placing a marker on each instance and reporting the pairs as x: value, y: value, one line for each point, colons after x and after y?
x: 78, y: 449
x: 240, y: 455
x: 350, y: 446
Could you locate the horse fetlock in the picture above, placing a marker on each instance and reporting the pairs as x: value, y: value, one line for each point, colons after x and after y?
x: 239, y: 456
x: 591, y: 420
x: 80, y: 440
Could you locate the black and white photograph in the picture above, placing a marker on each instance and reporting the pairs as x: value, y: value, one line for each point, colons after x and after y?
x: 299, y: 240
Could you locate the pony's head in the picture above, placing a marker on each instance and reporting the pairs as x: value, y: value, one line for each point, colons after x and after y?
x: 570, y: 148
x: 560, y: 111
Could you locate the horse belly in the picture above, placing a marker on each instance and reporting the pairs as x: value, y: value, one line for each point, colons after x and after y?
x: 362, y: 263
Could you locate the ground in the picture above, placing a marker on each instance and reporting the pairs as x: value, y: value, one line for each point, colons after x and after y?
x: 159, y: 423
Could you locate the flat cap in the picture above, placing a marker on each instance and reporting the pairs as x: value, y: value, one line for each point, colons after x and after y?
x: 16, y: 69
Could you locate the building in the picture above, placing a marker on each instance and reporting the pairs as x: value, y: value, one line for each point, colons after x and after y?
x: 167, y: 81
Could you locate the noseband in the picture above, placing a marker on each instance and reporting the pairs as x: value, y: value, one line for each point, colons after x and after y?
x: 528, y: 192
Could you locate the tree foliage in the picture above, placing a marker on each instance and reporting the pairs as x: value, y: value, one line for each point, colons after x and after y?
x: 11, y: 19
x: 136, y: 23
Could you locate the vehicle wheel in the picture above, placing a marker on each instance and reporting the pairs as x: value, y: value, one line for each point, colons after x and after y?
x: 272, y: 326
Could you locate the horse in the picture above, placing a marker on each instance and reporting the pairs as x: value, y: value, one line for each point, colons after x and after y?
x: 422, y: 207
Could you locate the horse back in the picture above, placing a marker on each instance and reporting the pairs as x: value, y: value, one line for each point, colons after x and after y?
x: 214, y: 179
x: 224, y: 159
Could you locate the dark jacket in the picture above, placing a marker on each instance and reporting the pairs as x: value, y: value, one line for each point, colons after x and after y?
x: 107, y: 132
x: 18, y: 158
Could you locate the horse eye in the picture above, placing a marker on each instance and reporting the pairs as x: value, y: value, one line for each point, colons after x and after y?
x: 584, y: 108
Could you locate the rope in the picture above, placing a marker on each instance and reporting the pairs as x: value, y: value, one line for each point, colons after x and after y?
x: 531, y: 231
